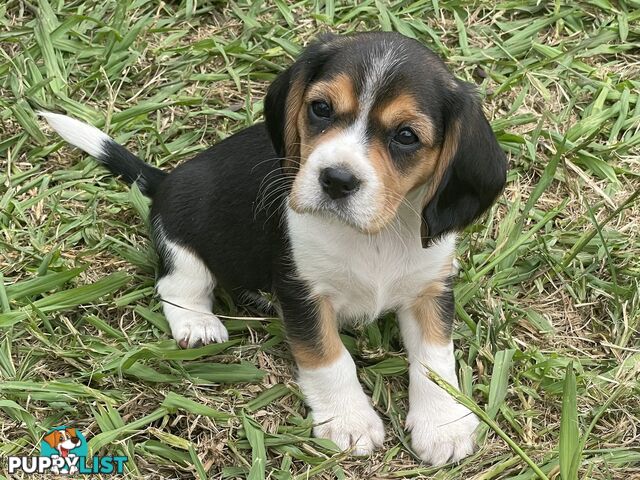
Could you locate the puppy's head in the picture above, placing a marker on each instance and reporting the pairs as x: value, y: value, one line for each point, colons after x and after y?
x: 363, y: 121
x: 66, y: 438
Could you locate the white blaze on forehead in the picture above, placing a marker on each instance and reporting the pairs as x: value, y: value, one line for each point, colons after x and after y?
x: 380, y: 64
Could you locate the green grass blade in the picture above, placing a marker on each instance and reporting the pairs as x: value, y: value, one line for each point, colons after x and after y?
x: 255, y: 436
x: 569, y: 435
x: 69, y: 298
x: 174, y: 401
x: 499, y: 381
x: 38, y: 285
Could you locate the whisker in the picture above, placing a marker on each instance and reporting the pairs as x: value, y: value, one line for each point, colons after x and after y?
x: 292, y: 158
x: 272, y: 196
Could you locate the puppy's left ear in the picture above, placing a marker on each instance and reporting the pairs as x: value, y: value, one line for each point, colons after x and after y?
x: 476, y: 170
x: 285, y: 99
x: 53, y: 439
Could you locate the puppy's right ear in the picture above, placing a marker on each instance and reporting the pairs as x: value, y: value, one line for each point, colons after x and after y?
x: 285, y: 98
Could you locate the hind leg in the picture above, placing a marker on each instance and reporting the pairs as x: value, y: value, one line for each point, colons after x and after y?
x: 187, y: 294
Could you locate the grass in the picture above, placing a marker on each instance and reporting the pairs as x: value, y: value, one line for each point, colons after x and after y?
x: 548, y: 299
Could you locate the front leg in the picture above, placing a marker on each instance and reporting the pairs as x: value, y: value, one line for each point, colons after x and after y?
x: 327, y: 376
x: 442, y: 430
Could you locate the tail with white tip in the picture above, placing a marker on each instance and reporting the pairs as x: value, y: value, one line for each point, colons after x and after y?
x: 115, y: 157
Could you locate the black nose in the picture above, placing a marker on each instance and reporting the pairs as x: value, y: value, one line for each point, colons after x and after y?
x: 338, y: 182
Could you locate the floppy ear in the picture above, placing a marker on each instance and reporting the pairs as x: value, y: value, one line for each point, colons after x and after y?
x: 53, y: 439
x: 476, y: 170
x: 285, y: 99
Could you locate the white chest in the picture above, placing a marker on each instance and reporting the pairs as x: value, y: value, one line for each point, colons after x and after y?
x: 365, y: 275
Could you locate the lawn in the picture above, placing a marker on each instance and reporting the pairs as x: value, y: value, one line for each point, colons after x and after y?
x: 548, y: 295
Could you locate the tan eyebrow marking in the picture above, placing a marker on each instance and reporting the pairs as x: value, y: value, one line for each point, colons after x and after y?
x: 404, y: 110
x: 339, y: 90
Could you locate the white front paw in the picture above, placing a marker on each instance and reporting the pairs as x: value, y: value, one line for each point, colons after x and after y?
x: 443, y: 434
x: 357, y: 427
x: 196, y: 329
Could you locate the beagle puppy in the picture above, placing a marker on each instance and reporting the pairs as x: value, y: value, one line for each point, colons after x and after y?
x: 345, y: 204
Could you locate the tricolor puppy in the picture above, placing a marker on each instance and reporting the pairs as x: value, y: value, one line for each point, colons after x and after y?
x: 345, y: 205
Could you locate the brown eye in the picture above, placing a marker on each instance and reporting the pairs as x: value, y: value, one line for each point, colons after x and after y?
x: 405, y: 136
x: 321, y: 109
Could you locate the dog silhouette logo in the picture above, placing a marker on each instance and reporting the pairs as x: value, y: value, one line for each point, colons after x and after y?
x: 66, y: 443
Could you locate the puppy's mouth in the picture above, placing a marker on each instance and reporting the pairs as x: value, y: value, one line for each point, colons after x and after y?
x: 341, y: 211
